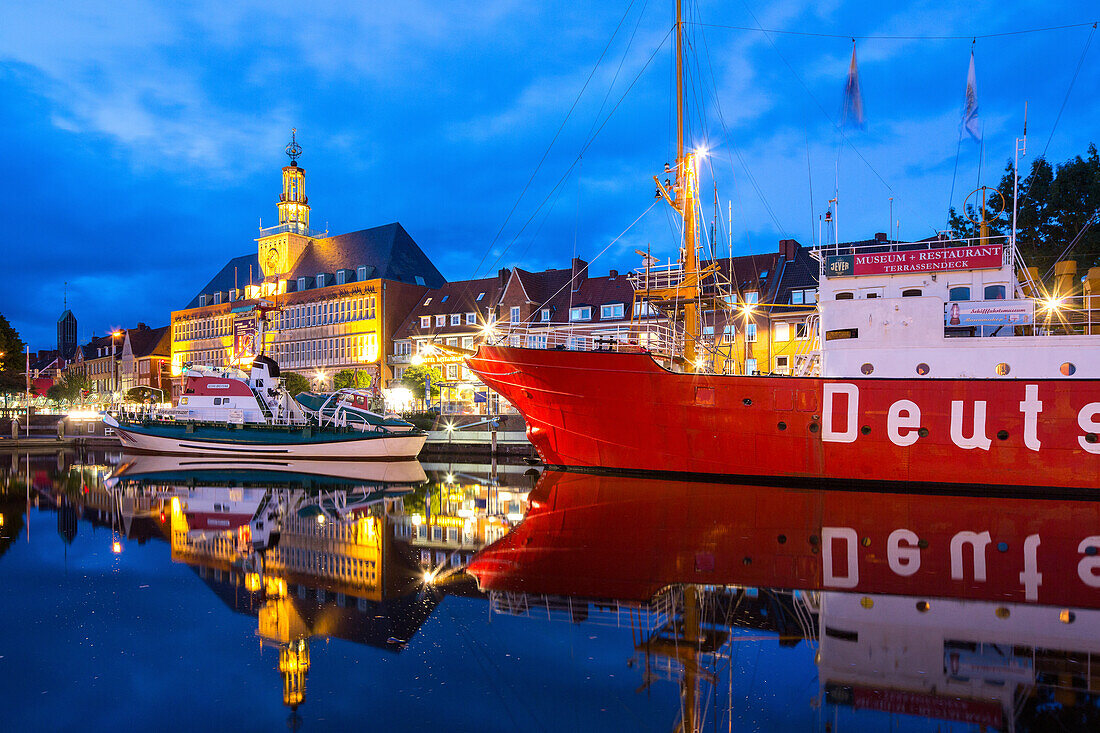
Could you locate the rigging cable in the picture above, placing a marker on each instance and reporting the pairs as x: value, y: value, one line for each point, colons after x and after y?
x: 554, y: 139
x: 1072, y: 81
x: 760, y: 29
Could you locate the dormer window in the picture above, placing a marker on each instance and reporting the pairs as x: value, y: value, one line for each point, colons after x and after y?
x: 301, y: 283
x: 581, y: 313
x: 218, y: 298
x: 456, y: 319
x: 440, y: 321
x: 611, y: 310
x: 471, y: 318
x: 425, y: 321
x: 202, y: 300
x: 545, y: 315
x: 361, y: 273
x: 320, y: 280
x: 341, y: 277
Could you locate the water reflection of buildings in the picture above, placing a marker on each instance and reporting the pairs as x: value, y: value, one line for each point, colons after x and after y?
x: 930, y: 606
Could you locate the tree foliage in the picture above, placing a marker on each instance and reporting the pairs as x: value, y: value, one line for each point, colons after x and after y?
x: 415, y: 379
x: 295, y: 383
x: 351, y: 378
x: 71, y: 386
x: 1056, y: 205
x: 13, y: 363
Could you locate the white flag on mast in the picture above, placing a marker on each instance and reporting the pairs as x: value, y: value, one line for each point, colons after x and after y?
x: 970, y: 114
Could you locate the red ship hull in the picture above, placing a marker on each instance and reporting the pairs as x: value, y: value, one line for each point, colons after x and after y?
x: 626, y: 538
x: 624, y: 412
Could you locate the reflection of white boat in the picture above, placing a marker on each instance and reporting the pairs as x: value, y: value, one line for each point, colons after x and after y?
x: 263, y: 470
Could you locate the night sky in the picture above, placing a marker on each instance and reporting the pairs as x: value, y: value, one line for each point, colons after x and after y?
x: 143, y: 141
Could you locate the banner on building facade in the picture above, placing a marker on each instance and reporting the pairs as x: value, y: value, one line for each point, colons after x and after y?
x: 990, y: 313
x: 244, y: 337
x: 920, y: 260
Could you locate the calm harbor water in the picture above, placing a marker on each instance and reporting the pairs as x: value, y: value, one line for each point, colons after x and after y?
x: 144, y: 591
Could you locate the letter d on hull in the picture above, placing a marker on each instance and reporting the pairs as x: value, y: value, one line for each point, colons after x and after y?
x: 829, y: 432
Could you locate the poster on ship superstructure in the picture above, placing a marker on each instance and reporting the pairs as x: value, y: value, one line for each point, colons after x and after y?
x: 990, y: 313
x: 244, y: 337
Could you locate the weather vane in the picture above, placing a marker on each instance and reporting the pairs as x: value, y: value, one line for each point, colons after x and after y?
x: 293, y: 149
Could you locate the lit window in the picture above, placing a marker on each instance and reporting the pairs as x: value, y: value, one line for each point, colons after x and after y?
x: 752, y: 297
x: 425, y: 321
x: 613, y: 310
x: 581, y: 313
x: 440, y: 321
x: 428, y: 301
x: 796, y: 297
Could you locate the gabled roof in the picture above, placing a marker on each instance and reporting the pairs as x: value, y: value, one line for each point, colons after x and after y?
x: 452, y: 297
x: 554, y: 289
x: 149, y: 342
x: 89, y: 349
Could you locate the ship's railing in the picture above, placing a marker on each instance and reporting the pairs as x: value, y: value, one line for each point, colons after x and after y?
x: 657, y: 276
x: 651, y: 336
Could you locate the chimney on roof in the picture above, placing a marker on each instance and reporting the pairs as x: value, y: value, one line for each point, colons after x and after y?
x: 142, y: 327
x: 880, y: 236
x: 788, y: 249
x: 580, y: 272
x: 503, y: 276
x: 613, y: 274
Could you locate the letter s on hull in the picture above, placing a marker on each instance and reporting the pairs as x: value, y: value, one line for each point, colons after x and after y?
x: 1088, y: 419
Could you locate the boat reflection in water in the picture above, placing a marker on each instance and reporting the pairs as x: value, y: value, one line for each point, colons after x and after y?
x: 980, y: 611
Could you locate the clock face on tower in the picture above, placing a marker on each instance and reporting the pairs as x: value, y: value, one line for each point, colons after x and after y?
x: 272, y: 260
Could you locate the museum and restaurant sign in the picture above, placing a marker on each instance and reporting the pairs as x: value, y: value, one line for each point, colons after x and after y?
x: 920, y: 260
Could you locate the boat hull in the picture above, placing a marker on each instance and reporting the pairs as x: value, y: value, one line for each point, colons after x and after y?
x: 624, y: 412
x: 262, y: 443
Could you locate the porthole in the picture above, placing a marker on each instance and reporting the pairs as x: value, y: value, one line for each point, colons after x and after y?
x: 866, y: 542
x: 1067, y: 369
x: 923, y: 606
x: 923, y: 544
x: 923, y: 432
x: 1090, y: 437
x: 867, y: 368
x: 746, y: 402
x: 867, y: 602
x: 866, y: 430
x: 813, y: 427
x: 746, y: 560
x: 1091, y: 550
x: 781, y: 425
x: 1067, y: 616
x: 781, y: 539
x: 1002, y: 612
x: 1003, y: 369
x: 1002, y: 547
x: 922, y: 369
x: 1002, y: 435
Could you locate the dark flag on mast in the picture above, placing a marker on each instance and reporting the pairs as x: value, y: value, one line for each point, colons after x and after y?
x: 970, y: 113
x: 852, y: 113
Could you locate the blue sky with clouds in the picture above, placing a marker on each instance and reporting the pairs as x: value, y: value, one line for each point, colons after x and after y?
x: 143, y: 141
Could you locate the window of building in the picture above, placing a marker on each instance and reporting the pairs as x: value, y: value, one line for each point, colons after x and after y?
x: 341, y: 277
x: 202, y: 300
x: 782, y: 331
x: 320, y: 280
x: 994, y: 292
x: 796, y: 297
x: 425, y: 321
x: 782, y: 365
x: 444, y: 299
x: 581, y: 313
x: 612, y: 310
x: 728, y: 333
x: 545, y: 315
x: 440, y: 321
x: 752, y: 297
x: 452, y: 371
x: 456, y: 319
x: 428, y: 301
x: 750, y: 366
x: 708, y: 331
x: 419, y: 279
x: 480, y: 296
x: 845, y: 296
x: 301, y: 283
x: 514, y: 314
x: 911, y: 293
x: 361, y: 273
x: 467, y: 342
x: 961, y: 292
x: 801, y: 331
x: 471, y: 319
x: 750, y: 332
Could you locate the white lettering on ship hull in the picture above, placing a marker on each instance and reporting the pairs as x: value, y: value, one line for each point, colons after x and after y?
x: 903, y: 420
x: 904, y: 560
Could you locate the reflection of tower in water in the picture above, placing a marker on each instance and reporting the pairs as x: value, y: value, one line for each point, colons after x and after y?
x: 294, y: 667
